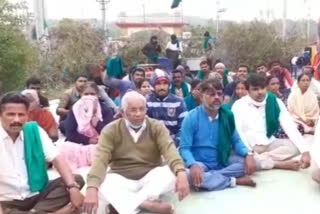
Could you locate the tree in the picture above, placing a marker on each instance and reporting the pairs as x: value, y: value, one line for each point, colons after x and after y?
x: 250, y: 43
x: 17, y: 55
x: 255, y: 42
x: 74, y: 45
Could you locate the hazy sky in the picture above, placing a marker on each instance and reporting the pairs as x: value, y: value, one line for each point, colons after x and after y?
x: 236, y: 9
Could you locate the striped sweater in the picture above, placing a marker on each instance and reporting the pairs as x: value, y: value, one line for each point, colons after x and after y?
x: 171, y: 111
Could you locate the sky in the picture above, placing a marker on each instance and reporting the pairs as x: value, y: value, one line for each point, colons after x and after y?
x: 237, y: 10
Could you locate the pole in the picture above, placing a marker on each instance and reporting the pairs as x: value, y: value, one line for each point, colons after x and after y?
x: 308, y: 22
x: 181, y: 5
x: 284, y: 19
x: 40, y: 16
x: 217, y: 19
x: 268, y: 12
x: 103, y: 4
x: 103, y: 18
x: 144, y: 12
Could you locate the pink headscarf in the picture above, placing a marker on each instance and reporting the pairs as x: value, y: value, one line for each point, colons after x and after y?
x: 87, y: 112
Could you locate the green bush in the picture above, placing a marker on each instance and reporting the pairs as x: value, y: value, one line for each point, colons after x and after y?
x: 18, y: 57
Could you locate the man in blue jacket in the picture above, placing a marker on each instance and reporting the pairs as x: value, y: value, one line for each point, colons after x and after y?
x: 165, y: 106
x: 208, y: 136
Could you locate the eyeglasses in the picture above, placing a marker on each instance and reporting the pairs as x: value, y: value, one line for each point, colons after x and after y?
x: 214, y: 93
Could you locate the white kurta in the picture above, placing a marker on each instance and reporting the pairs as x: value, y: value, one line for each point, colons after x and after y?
x: 127, y: 195
x: 251, y: 123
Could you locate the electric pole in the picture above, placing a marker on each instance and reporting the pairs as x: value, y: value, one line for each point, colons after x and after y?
x: 284, y: 20
x: 308, y: 19
x: 103, y: 4
x: 217, y: 18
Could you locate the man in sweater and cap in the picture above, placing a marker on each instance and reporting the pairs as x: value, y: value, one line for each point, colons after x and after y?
x: 164, y: 106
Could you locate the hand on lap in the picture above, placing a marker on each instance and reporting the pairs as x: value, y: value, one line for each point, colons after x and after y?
x: 182, y: 185
x: 76, y: 198
x: 196, y: 175
x: 90, y: 204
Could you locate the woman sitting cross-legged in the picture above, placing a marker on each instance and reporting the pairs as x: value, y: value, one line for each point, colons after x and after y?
x: 87, y: 117
x: 303, y: 105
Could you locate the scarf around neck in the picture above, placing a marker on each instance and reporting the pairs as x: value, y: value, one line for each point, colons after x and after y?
x: 34, y: 158
x: 272, y: 109
x: 226, y: 130
x: 185, y: 89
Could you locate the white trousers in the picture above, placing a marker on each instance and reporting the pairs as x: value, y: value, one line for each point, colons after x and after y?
x: 279, y: 150
x: 127, y: 195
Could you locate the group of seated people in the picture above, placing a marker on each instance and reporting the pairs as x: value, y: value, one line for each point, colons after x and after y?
x: 169, y: 134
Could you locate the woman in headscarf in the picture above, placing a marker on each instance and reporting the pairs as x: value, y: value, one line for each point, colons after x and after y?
x: 88, y: 116
x: 303, y: 104
x: 42, y: 116
x: 83, y: 126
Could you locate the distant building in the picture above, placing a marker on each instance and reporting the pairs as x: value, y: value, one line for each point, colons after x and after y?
x: 133, y: 24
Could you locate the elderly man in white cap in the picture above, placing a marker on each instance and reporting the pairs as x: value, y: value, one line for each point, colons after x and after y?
x: 137, y: 178
x: 165, y: 106
x: 220, y: 68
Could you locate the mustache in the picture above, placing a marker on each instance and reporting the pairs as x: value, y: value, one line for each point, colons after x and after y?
x: 16, y: 124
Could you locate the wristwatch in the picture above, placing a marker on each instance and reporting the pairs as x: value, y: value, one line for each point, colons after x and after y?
x: 73, y: 185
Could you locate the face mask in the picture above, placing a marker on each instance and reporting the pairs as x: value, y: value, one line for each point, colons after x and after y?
x: 134, y: 126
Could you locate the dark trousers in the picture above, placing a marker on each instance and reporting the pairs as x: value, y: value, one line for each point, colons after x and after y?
x: 54, y: 197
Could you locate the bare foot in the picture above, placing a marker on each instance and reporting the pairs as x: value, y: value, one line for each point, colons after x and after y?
x: 66, y: 209
x: 289, y: 165
x: 157, y: 207
x: 246, y: 181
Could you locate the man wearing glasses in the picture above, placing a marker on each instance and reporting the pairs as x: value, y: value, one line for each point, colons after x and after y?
x: 208, y: 136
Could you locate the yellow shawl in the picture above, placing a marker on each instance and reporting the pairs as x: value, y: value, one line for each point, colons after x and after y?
x: 303, y: 106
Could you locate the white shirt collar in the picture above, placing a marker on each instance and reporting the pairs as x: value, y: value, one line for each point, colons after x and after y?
x: 215, y: 118
x: 4, y: 135
x: 135, y: 135
x: 255, y: 103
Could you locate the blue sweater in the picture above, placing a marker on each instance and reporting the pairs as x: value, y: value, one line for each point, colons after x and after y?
x: 171, y: 110
x: 199, y: 139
